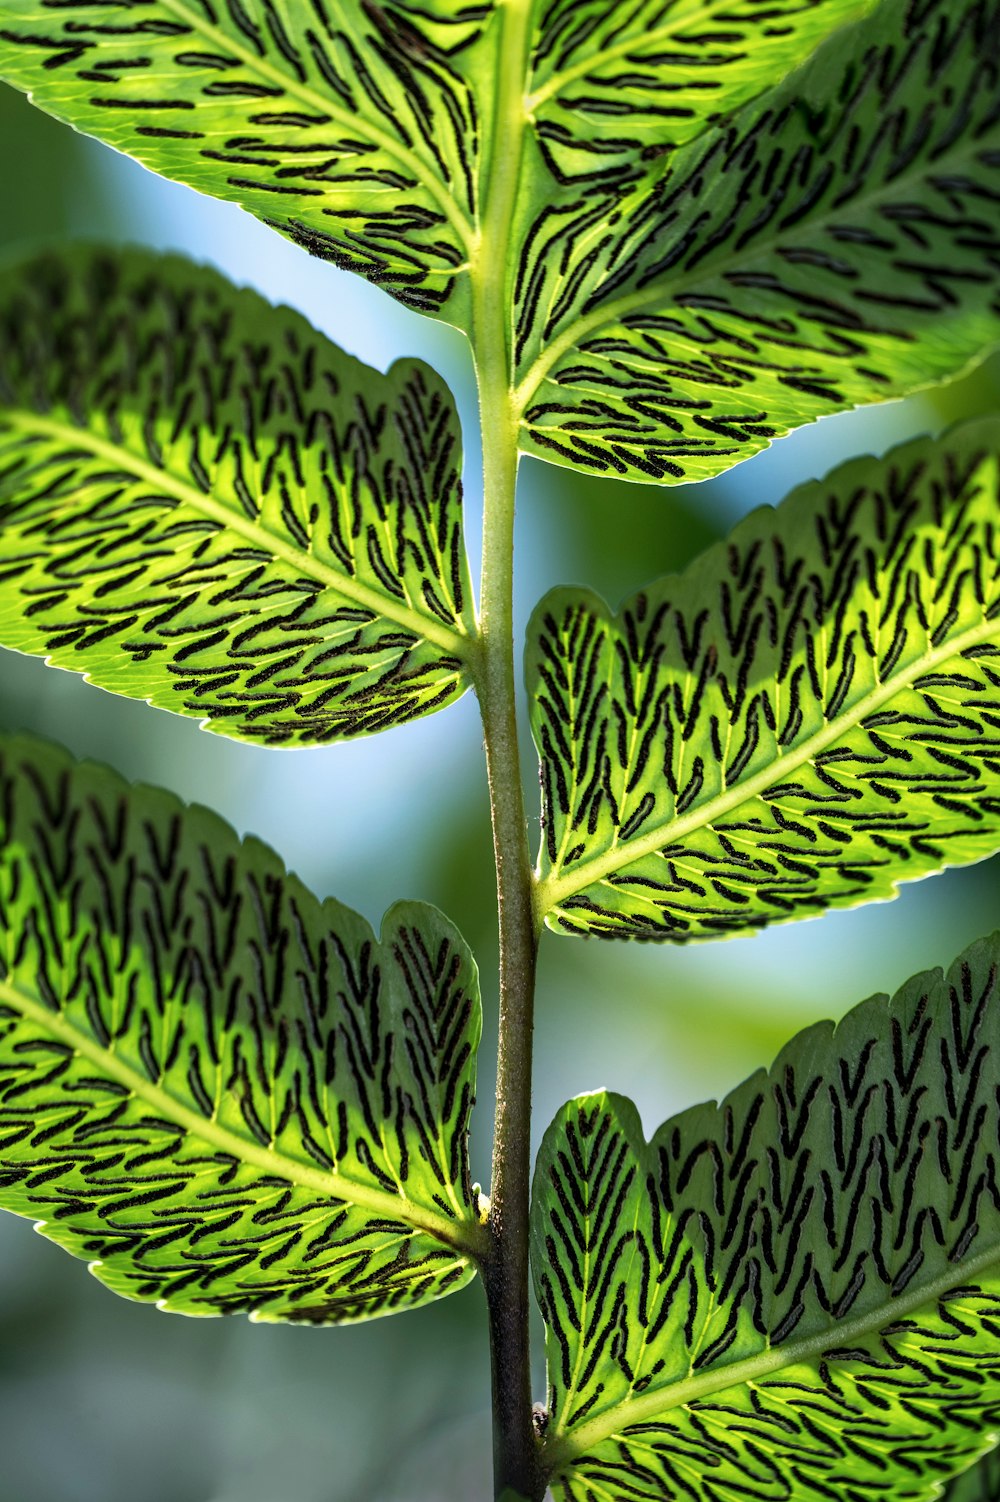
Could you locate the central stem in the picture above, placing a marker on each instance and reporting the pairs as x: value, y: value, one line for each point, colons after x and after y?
x: 515, y: 1450
x: 506, y: 1271
x: 517, y: 1465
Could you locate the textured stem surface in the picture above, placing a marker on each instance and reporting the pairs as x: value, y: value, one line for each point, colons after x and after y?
x: 515, y: 1449
x: 506, y: 1271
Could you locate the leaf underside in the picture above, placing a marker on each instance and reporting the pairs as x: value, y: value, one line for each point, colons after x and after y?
x: 222, y: 1093
x: 835, y: 242
x: 805, y: 718
x: 361, y: 130
x: 795, y: 1294
x: 205, y: 504
x: 344, y: 125
x: 612, y: 85
x: 702, y: 251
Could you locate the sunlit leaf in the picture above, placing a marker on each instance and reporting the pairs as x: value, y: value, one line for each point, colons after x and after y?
x: 834, y: 243
x: 795, y: 1294
x: 612, y: 85
x: 359, y: 129
x: 205, y: 504
x: 807, y: 716
x: 683, y: 245
x: 223, y: 1094
x: 346, y: 125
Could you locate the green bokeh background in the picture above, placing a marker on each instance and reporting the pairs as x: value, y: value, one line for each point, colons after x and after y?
x: 105, y: 1401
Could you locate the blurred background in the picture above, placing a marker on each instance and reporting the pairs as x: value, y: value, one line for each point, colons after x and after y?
x: 106, y: 1401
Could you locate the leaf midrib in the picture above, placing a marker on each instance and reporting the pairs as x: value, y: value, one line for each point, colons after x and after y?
x: 665, y: 293
x: 649, y: 38
x: 466, y: 1238
x: 567, y: 1445
x: 327, y: 106
x: 549, y: 893
x: 458, y: 643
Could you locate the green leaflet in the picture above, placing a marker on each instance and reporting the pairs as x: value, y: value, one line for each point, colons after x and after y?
x: 359, y: 129
x: 684, y: 252
x: 794, y: 1294
x: 805, y: 718
x: 224, y: 1094
x: 611, y: 84
x: 834, y: 243
x: 345, y: 125
x: 205, y: 504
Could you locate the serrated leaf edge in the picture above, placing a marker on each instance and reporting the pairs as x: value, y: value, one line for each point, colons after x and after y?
x: 327, y: 106
x: 560, y: 1448
x: 666, y: 288
x: 464, y: 1237
x: 551, y: 892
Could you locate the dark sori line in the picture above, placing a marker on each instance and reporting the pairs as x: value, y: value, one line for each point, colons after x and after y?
x: 240, y: 1014
x: 768, y: 288
x: 796, y: 656
x: 790, y: 1214
x: 326, y: 72
x: 345, y: 487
